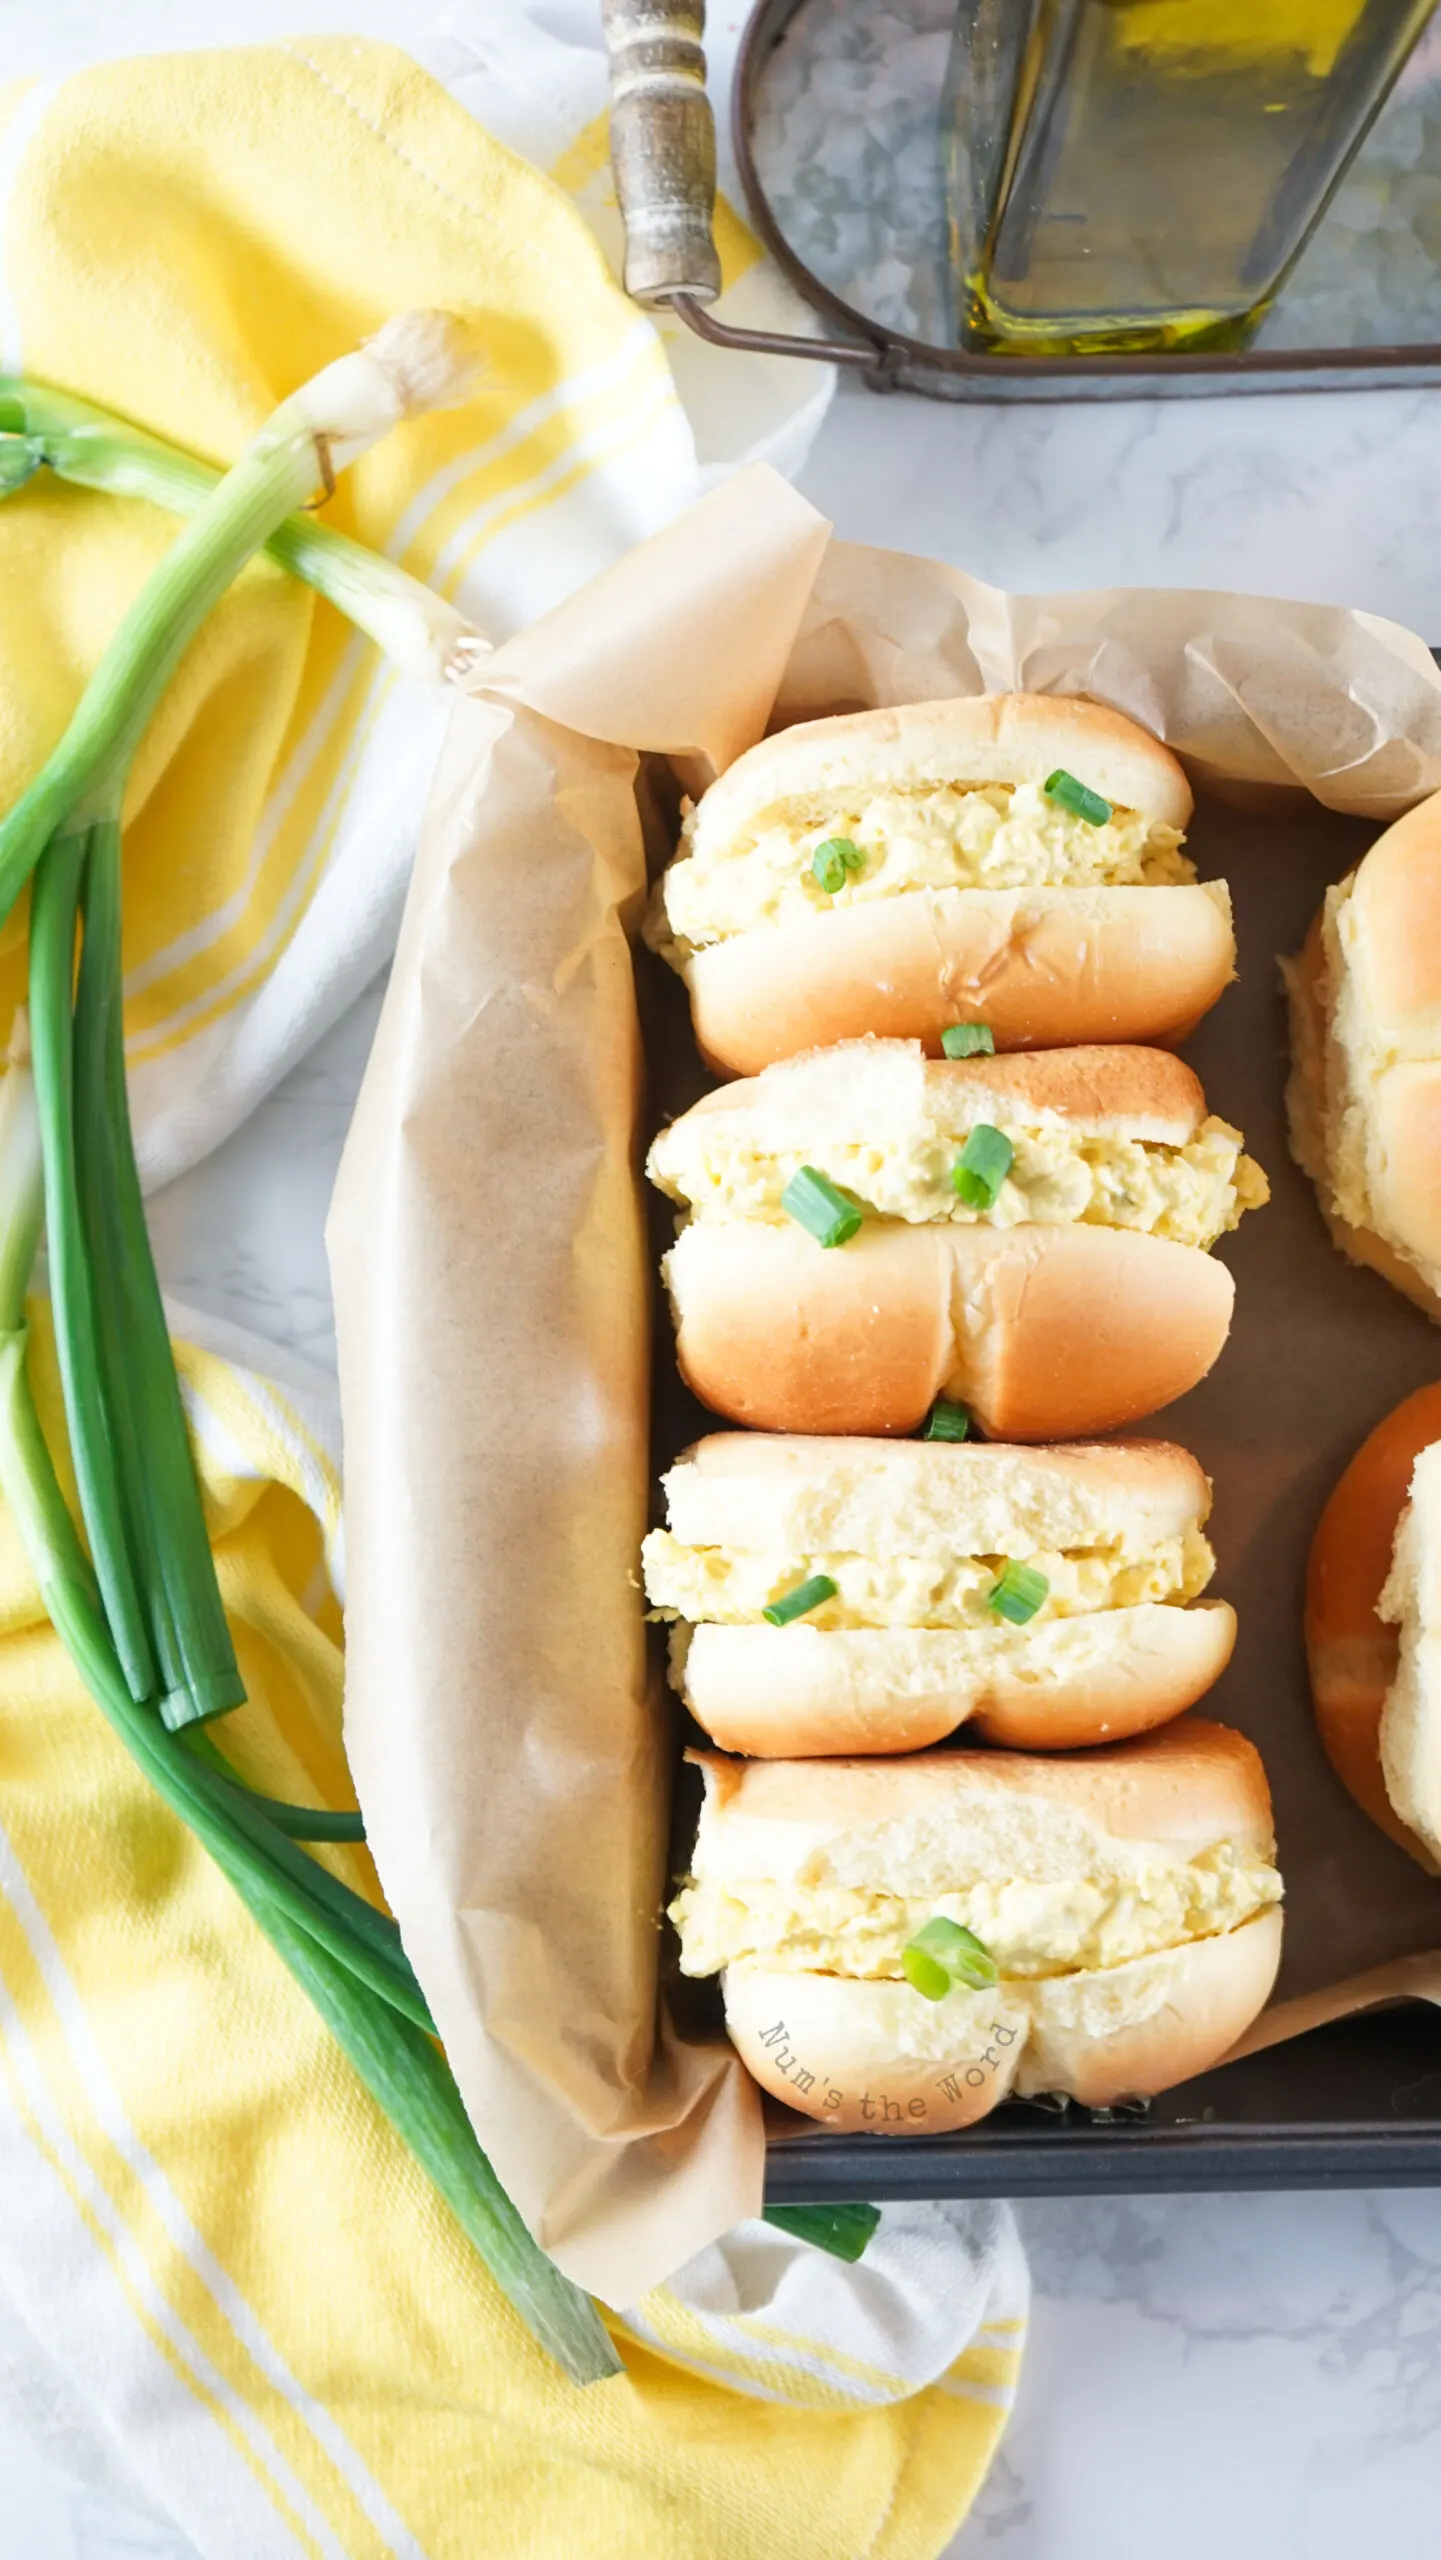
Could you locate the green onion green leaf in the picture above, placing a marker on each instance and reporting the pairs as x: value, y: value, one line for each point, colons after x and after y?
x: 1018, y: 1594
x: 842, y: 2230
x: 968, y: 1040
x: 947, y: 1421
x: 75, y: 1288
x: 982, y: 1166
x: 1068, y: 793
x: 821, y: 1207
x: 135, y: 1375
x: 834, y: 861
x: 20, y: 459
x: 943, y: 1957
x: 800, y: 1602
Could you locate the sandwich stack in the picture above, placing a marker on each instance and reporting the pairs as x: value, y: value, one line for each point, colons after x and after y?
x: 967, y: 1853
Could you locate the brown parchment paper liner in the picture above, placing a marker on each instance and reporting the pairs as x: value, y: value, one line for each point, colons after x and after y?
x: 493, y: 1291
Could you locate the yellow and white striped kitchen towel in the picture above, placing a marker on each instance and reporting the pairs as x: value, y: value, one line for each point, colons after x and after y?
x: 207, y: 2225
x: 210, y: 2229
x: 184, y: 239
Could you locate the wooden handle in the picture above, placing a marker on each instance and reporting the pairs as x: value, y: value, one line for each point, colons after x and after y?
x: 662, y: 147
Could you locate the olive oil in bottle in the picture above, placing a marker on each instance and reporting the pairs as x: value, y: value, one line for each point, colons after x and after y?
x: 1125, y: 176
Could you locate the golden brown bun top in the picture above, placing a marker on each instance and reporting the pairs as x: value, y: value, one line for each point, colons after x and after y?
x: 1191, y: 1786
x: 1144, y: 1093
x: 1396, y: 912
x: 753, y: 1490
x: 1352, y: 1653
x: 804, y: 772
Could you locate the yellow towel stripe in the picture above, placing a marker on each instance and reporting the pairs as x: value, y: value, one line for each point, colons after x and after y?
x: 166, y: 1007
x: 709, y: 2345
x: 162, y: 2292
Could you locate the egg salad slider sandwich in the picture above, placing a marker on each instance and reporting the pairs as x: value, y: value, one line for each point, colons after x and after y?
x: 868, y: 1229
x: 903, y: 1943
x: 1373, y: 1626
x: 1364, y: 1099
x: 1013, y: 859
x: 840, y: 1596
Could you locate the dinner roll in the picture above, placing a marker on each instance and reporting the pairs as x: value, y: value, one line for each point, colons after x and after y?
x: 1364, y: 1098
x: 1372, y: 1625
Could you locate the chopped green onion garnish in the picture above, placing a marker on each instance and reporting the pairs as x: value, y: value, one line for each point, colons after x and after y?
x: 982, y: 1166
x: 947, y: 1421
x: 800, y: 1602
x: 816, y: 1203
x: 1018, y: 1594
x: 842, y: 2230
x: 1068, y: 793
x: 943, y: 1957
x: 833, y: 861
x: 968, y: 1040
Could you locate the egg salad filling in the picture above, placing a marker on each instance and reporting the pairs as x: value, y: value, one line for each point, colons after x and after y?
x: 1034, y: 1927
x: 956, y: 836
x: 1058, y: 1176
x: 728, y: 1586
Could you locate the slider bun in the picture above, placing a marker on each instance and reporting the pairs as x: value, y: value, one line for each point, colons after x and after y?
x: 1044, y: 1332
x: 802, y: 1691
x: 1396, y: 894
x: 808, y: 772
x: 1044, y: 968
x: 1352, y: 1654
x: 1124, y: 1092
x: 1129, y: 2032
x: 1393, y: 919
x: 1188, y: 1788
x: 913, y: 1497
x: 806, y: 1692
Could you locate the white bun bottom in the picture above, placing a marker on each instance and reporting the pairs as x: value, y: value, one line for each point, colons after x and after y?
x: 805, y: 1692
x: 1047, y: 1333
x: 874, y: 2057
x: 1044, y: 968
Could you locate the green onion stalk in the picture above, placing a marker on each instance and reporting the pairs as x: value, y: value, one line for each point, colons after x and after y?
x: 143, y: 1617
x: 396, y: 2058
x: 136, y: 1480
x: 44, y: 429
x: 144, y: 1621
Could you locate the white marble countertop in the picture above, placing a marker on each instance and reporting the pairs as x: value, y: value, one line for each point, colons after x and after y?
x: 1261, y: 2373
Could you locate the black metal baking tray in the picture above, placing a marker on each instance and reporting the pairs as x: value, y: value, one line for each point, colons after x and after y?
x: 1357, y: 2103
x: 1353, y: 2105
